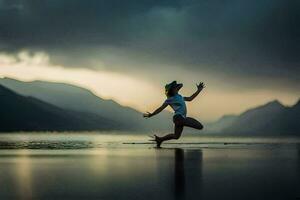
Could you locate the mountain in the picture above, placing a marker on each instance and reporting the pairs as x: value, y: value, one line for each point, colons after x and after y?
x: 68, y: 100
x: 220, y: 124
x: 75, y: 98
x: 20, y: 113
x: 270, y: 119
x: 288, y: 122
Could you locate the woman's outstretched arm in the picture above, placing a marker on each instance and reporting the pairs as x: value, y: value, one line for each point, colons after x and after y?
x: 193, y: 96
x: 158, y: 110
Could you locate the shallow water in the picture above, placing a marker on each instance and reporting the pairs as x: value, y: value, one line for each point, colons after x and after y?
x: 122, y: 166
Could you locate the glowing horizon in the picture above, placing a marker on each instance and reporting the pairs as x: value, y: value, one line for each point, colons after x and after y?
x: 130, y: 91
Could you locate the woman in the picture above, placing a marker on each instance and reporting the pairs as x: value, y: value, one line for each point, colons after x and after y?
x: 177, y: 102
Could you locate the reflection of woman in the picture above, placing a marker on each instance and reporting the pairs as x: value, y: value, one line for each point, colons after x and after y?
x: 179, y: 173
x: 177, y: 102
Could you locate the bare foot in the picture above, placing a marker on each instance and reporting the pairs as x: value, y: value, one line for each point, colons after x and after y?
x: 156, y: 139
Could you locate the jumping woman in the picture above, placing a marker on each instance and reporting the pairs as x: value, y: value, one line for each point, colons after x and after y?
x: 177, y: 103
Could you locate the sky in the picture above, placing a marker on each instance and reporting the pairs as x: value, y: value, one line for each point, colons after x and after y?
x: 247, y: 52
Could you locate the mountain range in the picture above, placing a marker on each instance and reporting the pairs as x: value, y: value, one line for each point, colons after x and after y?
x: 20, y: 113
x: 273, y: 118
x: 40, y: 105
x: 78, y: 99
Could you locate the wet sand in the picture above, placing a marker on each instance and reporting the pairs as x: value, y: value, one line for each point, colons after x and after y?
x: 126, y: 171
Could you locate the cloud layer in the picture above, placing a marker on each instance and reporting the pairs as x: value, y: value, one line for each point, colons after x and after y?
x: 227, y: 34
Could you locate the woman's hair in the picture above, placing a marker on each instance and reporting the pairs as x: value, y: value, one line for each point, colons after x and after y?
x: 170, y: 89
x: 171, y: 92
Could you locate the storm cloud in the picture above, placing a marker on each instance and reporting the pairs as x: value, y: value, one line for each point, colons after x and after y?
x: 240, y: 40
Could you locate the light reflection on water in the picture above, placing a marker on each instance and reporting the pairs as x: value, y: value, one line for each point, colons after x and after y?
x: 73, y: 166
x: 88, y: 140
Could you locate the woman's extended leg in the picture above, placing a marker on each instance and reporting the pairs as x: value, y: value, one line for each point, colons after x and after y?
x: 176, y: 135
x: 193, y: 123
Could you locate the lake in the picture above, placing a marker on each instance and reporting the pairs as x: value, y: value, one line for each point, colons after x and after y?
x: 126, y: 166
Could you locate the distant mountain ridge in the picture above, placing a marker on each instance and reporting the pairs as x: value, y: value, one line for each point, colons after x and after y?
x: 272, y: 118
x: 218, y: 126
x: 75, y: 98
x: 20, y: 113
x: 80, y: 109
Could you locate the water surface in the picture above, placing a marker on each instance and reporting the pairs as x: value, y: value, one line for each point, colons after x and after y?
x: 122, y: 166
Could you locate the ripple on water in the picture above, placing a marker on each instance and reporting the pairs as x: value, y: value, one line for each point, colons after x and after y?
x: 47, y: 145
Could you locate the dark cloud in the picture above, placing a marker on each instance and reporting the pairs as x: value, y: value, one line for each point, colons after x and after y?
x: 56, y: 23
x: 246, y: 39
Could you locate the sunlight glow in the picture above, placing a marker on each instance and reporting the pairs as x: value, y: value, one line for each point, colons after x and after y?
x: 135, y: 92
x: 108, y: 85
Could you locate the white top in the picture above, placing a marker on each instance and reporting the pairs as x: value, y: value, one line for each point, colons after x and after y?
x: 178, y: 104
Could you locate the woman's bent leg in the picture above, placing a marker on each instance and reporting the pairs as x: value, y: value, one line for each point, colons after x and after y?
x: 193, y: 123
x: 176, y: 135
x: 178, y: 128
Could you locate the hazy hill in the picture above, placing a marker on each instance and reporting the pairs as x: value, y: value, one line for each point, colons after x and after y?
x: 220, y: 124
x: 288, y: 121
x: 20, y: 113
x: 79, y: 99
x: 270, y: 119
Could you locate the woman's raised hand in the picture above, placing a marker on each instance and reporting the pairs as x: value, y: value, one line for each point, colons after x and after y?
x: 200, y: 86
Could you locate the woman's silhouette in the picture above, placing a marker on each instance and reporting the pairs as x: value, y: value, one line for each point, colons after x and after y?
x: 177, y: 102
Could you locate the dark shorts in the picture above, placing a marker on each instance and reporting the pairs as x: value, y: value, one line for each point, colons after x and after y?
x: 178, y: 119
